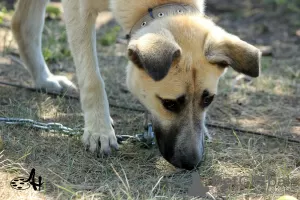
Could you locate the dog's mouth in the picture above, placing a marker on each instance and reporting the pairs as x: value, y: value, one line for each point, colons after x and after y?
x: 180, y: 148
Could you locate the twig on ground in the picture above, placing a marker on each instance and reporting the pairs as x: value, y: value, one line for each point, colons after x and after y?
x: 15, y: 59
x: 5, y: 25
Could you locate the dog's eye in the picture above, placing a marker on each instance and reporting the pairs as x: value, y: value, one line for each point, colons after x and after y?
x: 207, y: 100
x: 170, y: 105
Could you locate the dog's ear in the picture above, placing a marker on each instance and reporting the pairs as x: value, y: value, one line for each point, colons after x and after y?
x: 226, y: 50
x: 154, y: 53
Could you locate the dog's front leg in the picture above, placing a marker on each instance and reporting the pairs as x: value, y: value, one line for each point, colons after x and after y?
x: 80, y: 23
x: 27, y: 27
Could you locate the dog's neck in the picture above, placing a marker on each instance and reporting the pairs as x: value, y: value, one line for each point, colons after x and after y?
x: 160, y: 12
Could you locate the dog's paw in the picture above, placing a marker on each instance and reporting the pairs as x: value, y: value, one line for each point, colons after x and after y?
x: 56, y: 84
x: 105, y: 138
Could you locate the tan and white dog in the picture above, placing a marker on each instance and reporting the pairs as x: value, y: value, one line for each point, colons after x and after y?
x: 177, y: 56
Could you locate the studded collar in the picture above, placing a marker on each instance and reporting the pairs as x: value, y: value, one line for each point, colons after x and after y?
x: 161, y: 11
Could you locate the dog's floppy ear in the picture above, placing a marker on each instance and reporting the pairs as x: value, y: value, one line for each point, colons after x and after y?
x: 226, y: 50
x: 154, y: 53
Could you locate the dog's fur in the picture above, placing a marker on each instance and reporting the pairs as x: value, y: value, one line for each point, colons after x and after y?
x: 174, y: 68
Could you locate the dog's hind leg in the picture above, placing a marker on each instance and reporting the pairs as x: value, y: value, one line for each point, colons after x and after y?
x: 80, y: 17
x: 27, y: 26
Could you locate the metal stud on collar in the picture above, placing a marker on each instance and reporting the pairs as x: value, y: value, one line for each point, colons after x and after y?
x: 161, y: 14
x: 143, y: 24
x: 180, y: 11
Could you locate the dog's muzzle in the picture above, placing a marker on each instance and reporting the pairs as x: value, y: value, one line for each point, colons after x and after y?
x: 181, y: 148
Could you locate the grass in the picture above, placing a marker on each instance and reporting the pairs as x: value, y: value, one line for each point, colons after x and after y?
x: 4, y: 13
x: 291, y: 5
x: 269, y: 104
x: 55, y: 44
x: 110, y: 37
x: 53, y: 12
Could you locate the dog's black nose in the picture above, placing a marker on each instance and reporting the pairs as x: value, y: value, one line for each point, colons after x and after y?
x: 189, y: 161
x: 189, y: 166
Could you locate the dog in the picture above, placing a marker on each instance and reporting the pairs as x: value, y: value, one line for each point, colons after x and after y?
x: 176, y: 58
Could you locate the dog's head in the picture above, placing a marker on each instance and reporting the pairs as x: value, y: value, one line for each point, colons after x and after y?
x: 174, y: 69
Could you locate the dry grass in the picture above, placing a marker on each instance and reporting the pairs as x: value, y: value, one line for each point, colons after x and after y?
x: 269, y: 104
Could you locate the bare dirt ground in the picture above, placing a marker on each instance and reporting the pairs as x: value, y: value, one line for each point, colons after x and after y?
x: 269, y: 104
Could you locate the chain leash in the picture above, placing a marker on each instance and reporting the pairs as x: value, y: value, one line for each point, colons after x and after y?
x: 147, y: 138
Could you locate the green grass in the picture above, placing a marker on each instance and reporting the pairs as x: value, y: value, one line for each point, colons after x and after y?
x: 55, y: 46
x: 291, y: 5
x: 53, y: 12
x: 110, y: 37
x: 4, y: 13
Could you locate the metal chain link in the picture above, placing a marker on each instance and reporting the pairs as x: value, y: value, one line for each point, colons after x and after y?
x: 147, y: 138
x: 52, y: 127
